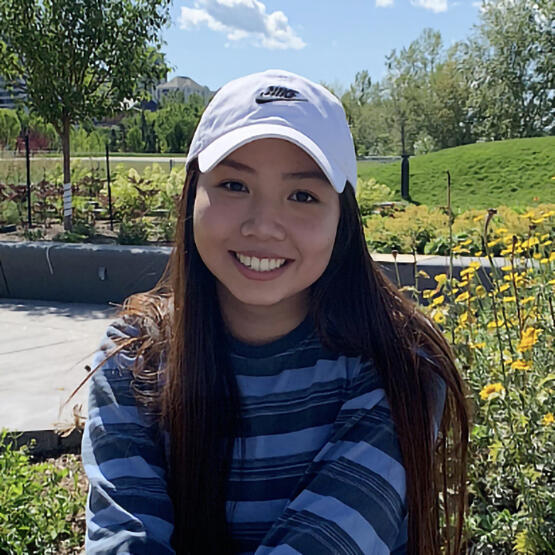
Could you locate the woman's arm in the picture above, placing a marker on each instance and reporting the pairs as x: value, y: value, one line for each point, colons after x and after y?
x: 128, y: 507
x: 352, y: 499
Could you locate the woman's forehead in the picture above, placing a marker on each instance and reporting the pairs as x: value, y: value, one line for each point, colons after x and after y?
x: 261, y: 154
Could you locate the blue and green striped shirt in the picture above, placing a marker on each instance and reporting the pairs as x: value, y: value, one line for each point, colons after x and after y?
x: 317, y: 469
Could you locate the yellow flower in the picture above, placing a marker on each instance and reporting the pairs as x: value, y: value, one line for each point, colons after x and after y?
x: 465, y: 243
x: 440, y: 278
x: 527, y: 300
x: 547, y: 243
x: 439, y: 318
x: 474, y: 264
x: 529, y: 243
x: 438, y: 300
x: 509, y: 299
x: 504, y: 287
x: 552, y: 256
x: 462, y: 297
x: 480, y: 217
x: 463, y: 318
x: 521, y: 365
x: 501, y: 230
x: 538, y: 220
x: 548, y: 419
x: 529, y: 339
x: 478, y: 253
x: 477, y: 345
x: 481, y: 291
x: 427, y: 293
x: 468, y: 272
x: 490, y: 389
x: 493, y: 325
x: 493, y: 243
x: 506, y: 268
x: 537, y: 255
x: 544, y: 261
x: 551, y: 282
x: 505, y: 252
x: 544, y: 236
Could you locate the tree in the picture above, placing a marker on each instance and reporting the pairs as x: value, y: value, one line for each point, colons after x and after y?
x: 509, y: 64
x: 176, y: 121
x: 80, y: 60
x: 9, y: 128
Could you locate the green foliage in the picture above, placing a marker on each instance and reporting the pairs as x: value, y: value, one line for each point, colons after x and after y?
x: 85, y: 141
x: 176, y: 122
x: 509, y: 63
x: 133, y: 233
x: 9, y: 128
x: 39, y: 503
x: 517, y: 172
x: 409, y: 230
x: 370, y: 193
x: 424, y: 230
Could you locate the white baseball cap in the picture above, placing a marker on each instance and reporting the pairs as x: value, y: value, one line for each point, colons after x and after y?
x: 282, y: 105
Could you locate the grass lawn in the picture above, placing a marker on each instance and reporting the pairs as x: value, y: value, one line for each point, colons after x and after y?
x: 516, y: 173
x: 13, y: 170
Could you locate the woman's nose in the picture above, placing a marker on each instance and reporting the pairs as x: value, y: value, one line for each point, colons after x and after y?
x: 263, y: 221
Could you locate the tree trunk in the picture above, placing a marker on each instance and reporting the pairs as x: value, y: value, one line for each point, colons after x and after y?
x: 67, y: 174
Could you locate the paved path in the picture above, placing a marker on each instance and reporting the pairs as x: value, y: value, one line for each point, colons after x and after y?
x: 44, y: 347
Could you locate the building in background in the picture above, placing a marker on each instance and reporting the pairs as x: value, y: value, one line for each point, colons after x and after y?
x: 8, y: 98
x: 185, y: 85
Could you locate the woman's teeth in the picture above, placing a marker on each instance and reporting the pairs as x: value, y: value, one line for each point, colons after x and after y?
x: 260, y: 264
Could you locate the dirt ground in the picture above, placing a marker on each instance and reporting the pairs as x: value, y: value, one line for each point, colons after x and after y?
x: 104, y: 235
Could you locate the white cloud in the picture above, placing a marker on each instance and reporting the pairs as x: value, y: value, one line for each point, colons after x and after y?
x: 242, y: 19
x: 436, y: 6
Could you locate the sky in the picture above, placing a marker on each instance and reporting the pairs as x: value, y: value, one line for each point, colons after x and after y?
x: 214, y: 41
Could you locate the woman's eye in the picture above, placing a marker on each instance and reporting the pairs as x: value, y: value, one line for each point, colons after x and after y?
x: 303, y: 196
x: 233, y: 186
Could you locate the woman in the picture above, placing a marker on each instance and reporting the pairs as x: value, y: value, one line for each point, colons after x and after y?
x: 274, y: 393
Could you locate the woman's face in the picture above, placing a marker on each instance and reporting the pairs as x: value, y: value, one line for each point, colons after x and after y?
x: 265, y: 220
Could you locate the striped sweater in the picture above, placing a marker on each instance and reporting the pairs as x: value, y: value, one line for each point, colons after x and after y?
x: 321, y: 474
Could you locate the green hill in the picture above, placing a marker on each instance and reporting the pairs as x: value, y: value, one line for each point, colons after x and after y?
x: 517, y: 173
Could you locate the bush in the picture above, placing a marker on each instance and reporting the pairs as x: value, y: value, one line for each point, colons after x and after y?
x: 370, y: 193
x: 425, y: 230
x: 133, y: 233
x: 41, y: 505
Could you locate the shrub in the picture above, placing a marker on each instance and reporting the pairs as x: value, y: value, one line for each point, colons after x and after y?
x: 133, y: 233
x: 370, y: 193
x: 425, y: 230
x: 41, y: 505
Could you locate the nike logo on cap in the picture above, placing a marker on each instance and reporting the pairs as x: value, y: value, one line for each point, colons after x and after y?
x: 275, y: 93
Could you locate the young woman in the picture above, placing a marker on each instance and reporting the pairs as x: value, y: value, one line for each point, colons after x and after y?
x: 274, y: 393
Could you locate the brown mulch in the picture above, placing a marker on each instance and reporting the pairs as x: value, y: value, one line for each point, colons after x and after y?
x: 104, y: 235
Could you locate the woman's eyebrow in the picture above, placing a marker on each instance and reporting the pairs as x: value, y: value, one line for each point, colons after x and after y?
x: 312, y: 174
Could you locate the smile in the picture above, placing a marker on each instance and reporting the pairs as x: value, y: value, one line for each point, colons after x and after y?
x: 260, y: 264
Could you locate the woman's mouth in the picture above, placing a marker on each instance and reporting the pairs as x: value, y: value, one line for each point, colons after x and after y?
x: 259, y: 268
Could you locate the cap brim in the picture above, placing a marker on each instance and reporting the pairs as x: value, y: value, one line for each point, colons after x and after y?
x: 214, y: 153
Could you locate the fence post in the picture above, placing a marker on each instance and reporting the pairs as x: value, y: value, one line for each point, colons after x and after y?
x: 28, y: 164
x: 405, y: 177
x: 109, y: 187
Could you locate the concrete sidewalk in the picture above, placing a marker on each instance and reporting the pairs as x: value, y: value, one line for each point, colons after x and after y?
x: 44, y: 347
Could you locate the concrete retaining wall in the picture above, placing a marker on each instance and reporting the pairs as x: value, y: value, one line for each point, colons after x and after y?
x: 109, y: 273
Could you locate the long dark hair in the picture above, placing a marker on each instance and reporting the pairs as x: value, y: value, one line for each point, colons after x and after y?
x: 357, y: 311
